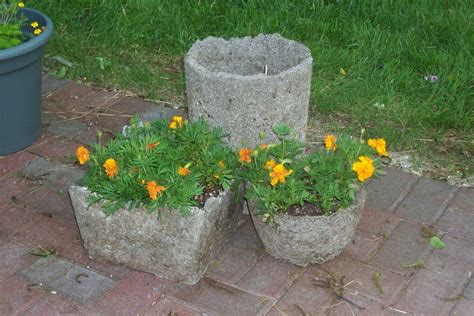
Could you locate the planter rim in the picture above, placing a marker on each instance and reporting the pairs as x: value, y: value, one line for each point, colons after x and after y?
x: 359, y: 195
x: 31, y: 44
x: 192, y: 61
x: 194, y: 208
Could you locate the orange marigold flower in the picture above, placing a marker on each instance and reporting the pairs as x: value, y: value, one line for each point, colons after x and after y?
x: 330, y: 142
x: 269, y: 164
x: 221, y: 163
x: 263, y: 146
x: 152, y: 146
x: 364, y: 168
x: 154, y: 189
x: 176, y: 122
x: 110, y: 166
x: 379, y: 145
x: 279, y: 173
x: 82, y: 154
x: 244, y: 155
x: 183, y: 171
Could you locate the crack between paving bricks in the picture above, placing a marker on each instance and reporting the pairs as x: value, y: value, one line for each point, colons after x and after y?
x: 469, y: 279
x: 403, y: 195
x: 446, y: 204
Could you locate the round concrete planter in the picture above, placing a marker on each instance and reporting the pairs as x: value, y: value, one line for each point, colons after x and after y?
x: 303, y: 240
x: 170, y: 245
x: 247, y: 85
x: 20, y: 87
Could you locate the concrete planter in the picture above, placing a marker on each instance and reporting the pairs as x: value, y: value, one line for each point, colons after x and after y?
x: 303, y: 240
x: 172, y: 246
x: 247, y: 85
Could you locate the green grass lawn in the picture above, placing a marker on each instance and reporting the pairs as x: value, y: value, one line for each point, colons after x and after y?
x: 385, y: 47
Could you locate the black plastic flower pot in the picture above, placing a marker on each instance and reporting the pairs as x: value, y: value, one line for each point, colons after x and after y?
x: 20, y: 86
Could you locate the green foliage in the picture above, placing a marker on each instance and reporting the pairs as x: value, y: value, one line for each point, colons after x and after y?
x: 325, y: 177
x: 155, y: 152
x: 437, y: 243
x: 10, y: 26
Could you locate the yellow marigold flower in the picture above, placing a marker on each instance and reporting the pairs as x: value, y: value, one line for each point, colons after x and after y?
x: 110, y: 166
x: 263, y: 146
x: 364, y: 168
x: 37, y: 32
x: 330, y: 142
x: 82, y: 154
x: 143, y: 181
x: 176, y: 122
x: 244, y: 155
x: 216, y: 176
x: 379, y: 145
x: 221, y: 163
x: 279, y: 173
x: 34, y: 24
x: 269, y: 164
x: 183, y: 171
x: 21, y: 5
x: 154, y: 189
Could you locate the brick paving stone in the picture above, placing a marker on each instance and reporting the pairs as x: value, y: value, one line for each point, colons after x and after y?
x: 469, y: 290
x: 426, y: 201
x: 385, y: 192
x: 89, y: 136
x: 377, y: 223
x: 51, y: 203
x: 62, y: 237
x: 362, y: 284
x: 14, y: 256
x: 52, y: 84
x: 80, y: 98
x: 219, y: 299
x: 269, y: 277
x: 432, y: 289
x: 457, y: 249
x: 66, y: 128
x: 54, y: 304
x: 134, y: 295
x: 13, y: 188
x: 13, y: 218
x: 112, y: 122
x: 62, y: 150
x: 68, y: 279
x: 115, y: 272
x: 168, y: 307
x: 458, y: 219
x: 463, y: 308
x: 362, y: 246
x: 132, y: 105
x: 304, y: 297
x: 370, y: 307
x: 246, y: 238
x: 15, y: 161
x: 159, y: 112
x: 405, y: 246
x: 231, y: 264
x: 58, y: 176
x: 16, y: 296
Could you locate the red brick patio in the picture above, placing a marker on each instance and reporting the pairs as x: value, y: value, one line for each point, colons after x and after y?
x: 35, y: 212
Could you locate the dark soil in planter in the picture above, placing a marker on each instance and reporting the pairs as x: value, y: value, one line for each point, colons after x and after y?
x: 208, y: 192
x: 309, y: 209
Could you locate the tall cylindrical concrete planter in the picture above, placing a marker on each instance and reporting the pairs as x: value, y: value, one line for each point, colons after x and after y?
x: 248, y: 85
x: 304, y: 240
x: 20, y: 87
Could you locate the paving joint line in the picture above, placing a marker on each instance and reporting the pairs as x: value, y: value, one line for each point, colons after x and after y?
x: 403, y: 195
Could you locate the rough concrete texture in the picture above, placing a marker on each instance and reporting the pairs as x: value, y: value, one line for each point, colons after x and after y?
x: 303, y: 240
x: 172, y: 246
x: 247, y: 85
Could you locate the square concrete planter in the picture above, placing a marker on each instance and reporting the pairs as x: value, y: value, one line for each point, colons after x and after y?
x: 304, y: 240
x: 172, y: 246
